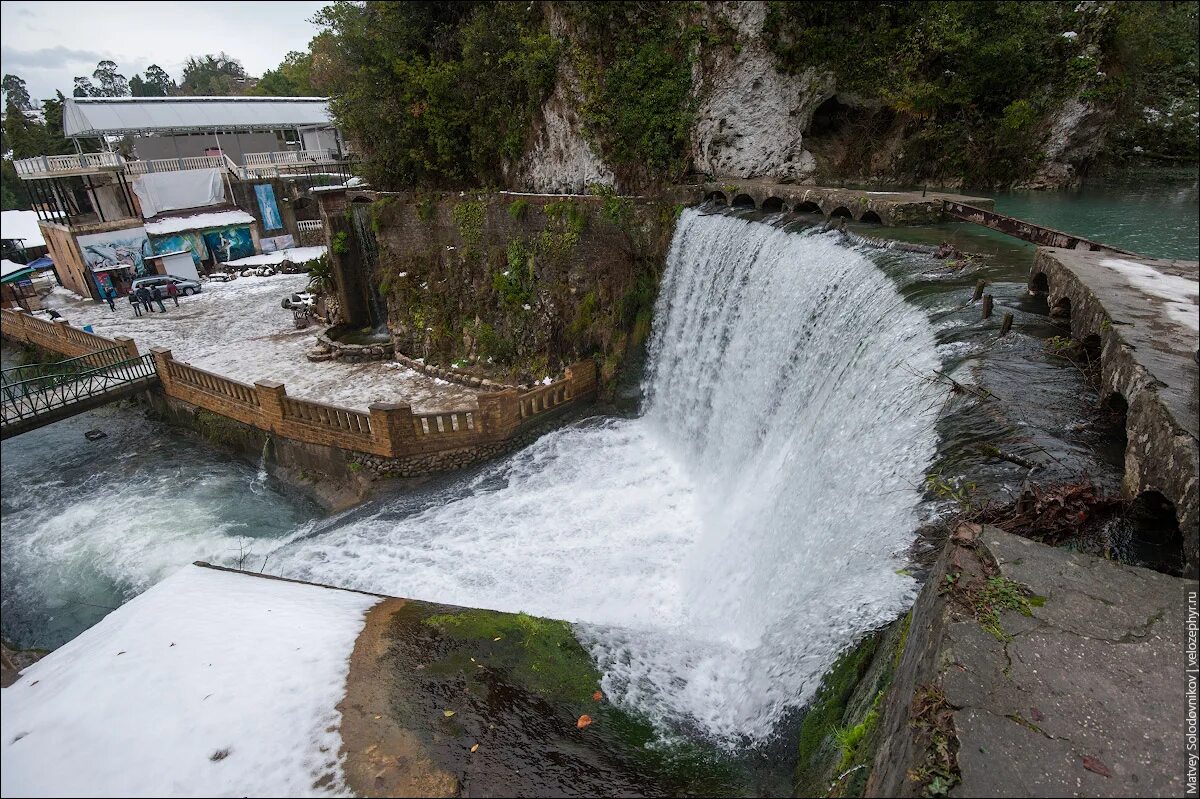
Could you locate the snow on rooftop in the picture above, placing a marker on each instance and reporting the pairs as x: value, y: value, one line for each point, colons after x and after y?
x: 297, y: 255
x: 177, y: 224
x: 7, y: 267
x: 1181, y: 294
x: 21, y: 225
x: 210, y: 683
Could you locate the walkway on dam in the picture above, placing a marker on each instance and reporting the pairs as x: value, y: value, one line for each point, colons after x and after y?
x: 1141, y: 317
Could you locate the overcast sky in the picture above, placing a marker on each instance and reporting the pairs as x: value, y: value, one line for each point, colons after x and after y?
x: 49, y: 43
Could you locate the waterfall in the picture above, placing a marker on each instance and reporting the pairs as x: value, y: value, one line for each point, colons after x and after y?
x: 717, y: 553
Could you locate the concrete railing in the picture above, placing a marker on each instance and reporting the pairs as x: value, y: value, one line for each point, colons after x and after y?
x: 174, y: 164
x: 388, y: 430
x: 58, y: 335
x: 322, y: 155
x: 53, y: 165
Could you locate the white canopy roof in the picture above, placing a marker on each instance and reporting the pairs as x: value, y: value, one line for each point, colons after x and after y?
x: 96, y: 116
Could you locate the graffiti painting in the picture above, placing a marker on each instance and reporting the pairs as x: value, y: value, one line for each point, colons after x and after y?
x: 192, y: 242
x: 277, y: 243
x: 229, y: 244
x: 271, y: 220
x: 117, y: 248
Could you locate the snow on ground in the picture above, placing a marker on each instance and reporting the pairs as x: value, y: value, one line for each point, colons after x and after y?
x: 1180, y: 293
x: 238, y: 330
x: 208, y: 684
x: 177, y: 224
x: 297, y: 255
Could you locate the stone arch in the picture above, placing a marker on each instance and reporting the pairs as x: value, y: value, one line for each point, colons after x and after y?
x: 717, y: 197
x: 362, y: 198
x: 1039, y: 283
x: 743, y: 201
x: 1158, y: 533
x: 1061, y: 308
x: 773, y: 205
x: 841, y: 212
x: 871, y: 216
x: 807, y: 207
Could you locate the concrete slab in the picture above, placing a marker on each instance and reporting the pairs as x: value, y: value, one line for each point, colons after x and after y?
x: 1080, y: 697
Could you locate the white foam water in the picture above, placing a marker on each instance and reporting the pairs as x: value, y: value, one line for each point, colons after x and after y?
x: 717, y: 553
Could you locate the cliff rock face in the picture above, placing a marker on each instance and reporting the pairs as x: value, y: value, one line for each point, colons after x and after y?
x: 752, y: 118
x: 1075, y: 137
x: 559, y: 160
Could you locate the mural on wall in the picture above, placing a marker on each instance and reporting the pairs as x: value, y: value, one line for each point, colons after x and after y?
x: 117, y: 248
x: 277, y: 243
x: 271, y: 220
x: 182, y: 241
x: 104, y: 281
x: 229, y: 244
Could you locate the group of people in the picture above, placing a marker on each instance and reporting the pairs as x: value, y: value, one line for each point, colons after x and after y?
x: 144, y: 297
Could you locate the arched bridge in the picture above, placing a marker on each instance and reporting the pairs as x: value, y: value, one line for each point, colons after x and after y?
x: 885, y: 207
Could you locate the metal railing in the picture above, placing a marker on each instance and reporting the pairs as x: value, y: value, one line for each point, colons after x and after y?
x: 28, y: 399
x: 68, y: 369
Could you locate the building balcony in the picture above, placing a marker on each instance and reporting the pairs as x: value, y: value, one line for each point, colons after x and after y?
x: 256, y: 165
x: 62, y: 166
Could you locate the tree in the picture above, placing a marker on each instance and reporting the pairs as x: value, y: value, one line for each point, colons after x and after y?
x: 157, y: 83
x: 14, y: 196
x: 110, y: 82
x: 214, y: 75
x: 16, y: 93
x: 84, y: 88
x: 292, y: 78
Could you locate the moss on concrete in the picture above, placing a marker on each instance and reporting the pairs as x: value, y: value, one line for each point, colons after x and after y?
x: 543, y: 657
x: 840, y: 731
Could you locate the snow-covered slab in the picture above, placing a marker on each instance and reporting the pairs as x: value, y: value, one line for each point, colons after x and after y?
x: 238, y: 330
x: 21, y: 225
x: 211, y: 683
x: 177, y: 224
x: 297, y: 255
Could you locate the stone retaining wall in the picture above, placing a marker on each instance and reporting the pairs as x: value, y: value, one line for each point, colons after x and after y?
x: 409, y: 442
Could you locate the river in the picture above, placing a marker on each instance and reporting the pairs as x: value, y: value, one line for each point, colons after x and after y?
x: 715, y: 551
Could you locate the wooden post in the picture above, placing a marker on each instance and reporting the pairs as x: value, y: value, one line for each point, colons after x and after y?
x: 1006, y: 325
x: 391, y: 428
x: 979, y: 286
x: 987, y: 306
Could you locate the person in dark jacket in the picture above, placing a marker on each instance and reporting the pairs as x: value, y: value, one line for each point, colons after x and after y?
x: 173, y: 292
x: 158, y: 297
x: 137, y: 306
x: 143, y: 295
x: 110, y: 294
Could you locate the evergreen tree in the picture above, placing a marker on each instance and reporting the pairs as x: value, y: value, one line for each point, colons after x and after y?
x: 16, y: 93
x: 110, y: 83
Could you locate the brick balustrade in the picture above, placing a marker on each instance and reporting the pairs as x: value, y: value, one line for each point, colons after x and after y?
x: 390, y: 430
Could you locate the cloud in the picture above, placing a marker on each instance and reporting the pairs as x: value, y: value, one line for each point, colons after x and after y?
x: 47, y: 58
